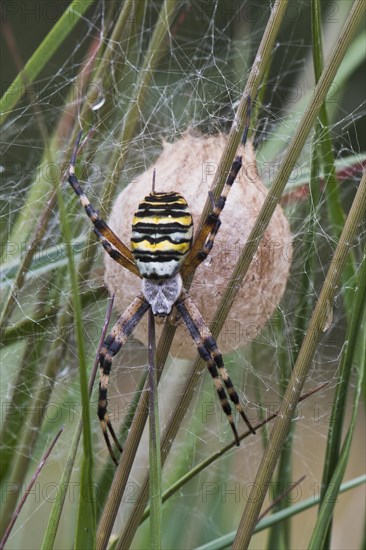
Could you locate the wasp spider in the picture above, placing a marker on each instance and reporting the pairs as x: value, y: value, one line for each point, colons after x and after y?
x: 162, y: 253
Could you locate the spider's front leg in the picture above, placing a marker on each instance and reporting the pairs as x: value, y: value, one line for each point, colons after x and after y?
x: 113, y: 343
x: 111, y: 243
x: 208, y: 350
x: 205, y: 238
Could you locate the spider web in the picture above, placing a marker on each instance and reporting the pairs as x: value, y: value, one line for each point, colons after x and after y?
x: 196, y: 87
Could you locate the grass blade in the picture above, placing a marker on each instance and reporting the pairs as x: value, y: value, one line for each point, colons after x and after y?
x: 326, y: 510
x: 227, y: 540
x: 154, y: 443
x: 54, y: 519
x: 85, y: 536
x: 316, y: 326
x: 28, y: 490
x: 42, y: 55
x: 336, y: 461
x: 334, y: 206
x: 353, y: 60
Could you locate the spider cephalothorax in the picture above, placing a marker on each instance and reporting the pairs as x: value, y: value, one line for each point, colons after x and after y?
x: 163, y: 254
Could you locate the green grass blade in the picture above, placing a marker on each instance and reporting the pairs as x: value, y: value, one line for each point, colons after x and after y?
x: 85, y: 536
x: 21, y: 398
x: 55, y: 515
x: 54, y: 519
x: 353, y: 60
x: 318, y: 319
x: 345, y: 166
x: 280, y: 536
x: 303, y: 364
x: 336, y: 461
x: 34, y: 420
x: 56, y: 351
x: 227, y: 540
x: 29, y: 489
x: 154, y: 444
x: 24, y: 266
x: 44, y: 318
x: 325, y: 514
x: 345, y: 369
x: 46, y: 261
x: 26, y: 445
x: 333, y: 200
x: 42, y: 55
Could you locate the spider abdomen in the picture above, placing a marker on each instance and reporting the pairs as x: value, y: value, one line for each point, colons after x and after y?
x: 162, y: 230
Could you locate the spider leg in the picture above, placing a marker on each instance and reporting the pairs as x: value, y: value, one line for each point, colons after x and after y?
x: 209, y: 351
x: 204, y: 241
x: 105, y: 233
x: 114, y: 253
x: 112, y: 344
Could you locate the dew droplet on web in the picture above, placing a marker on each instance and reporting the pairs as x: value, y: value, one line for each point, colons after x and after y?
x: 98, y: 104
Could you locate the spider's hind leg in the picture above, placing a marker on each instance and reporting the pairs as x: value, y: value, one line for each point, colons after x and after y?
x: 113, y: 343
x: 209, y: 351
x: 211, y: 346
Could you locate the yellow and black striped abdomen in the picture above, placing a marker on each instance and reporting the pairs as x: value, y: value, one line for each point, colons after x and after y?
x: 162, y: 230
